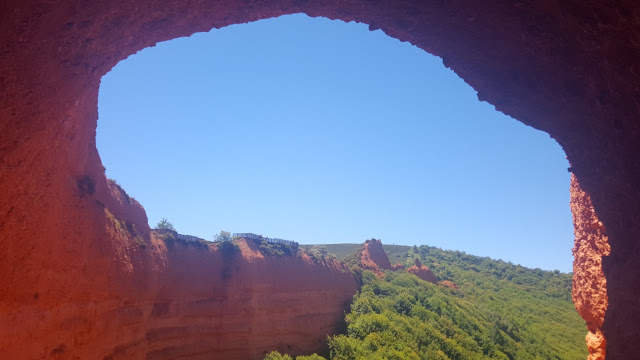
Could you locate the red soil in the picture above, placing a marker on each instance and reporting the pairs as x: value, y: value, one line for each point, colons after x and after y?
x: 423, y: 272
x: 449, y: 284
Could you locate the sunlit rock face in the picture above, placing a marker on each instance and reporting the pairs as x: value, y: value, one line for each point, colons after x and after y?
x: 246, y: 305
x: 449, y: 284
x: 171, y: 299
x: 72, y: 281
x: 423, y: 272
x: 589, y: 283
x: 374, y: 258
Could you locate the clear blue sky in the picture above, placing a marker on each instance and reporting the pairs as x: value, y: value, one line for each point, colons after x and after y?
x: 321, y: 131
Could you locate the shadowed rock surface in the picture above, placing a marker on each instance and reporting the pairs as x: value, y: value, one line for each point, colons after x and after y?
x: 569, y: 68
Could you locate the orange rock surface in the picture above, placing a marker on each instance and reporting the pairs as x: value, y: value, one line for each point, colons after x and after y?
x: 74, y: 282
x: 589, y: 283
x: 449, y: 284
x: 422, y: 271
x: 374, y: 258
x: 144, y: 299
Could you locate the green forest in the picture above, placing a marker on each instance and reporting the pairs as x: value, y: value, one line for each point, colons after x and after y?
x: 498, y: 311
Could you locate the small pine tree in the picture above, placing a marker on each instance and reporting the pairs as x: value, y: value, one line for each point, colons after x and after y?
x: 165, y: 224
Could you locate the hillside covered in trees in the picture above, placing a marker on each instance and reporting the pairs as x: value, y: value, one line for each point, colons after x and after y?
x: 489, y: 309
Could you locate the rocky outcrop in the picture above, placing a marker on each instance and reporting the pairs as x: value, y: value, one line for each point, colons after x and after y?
x: 422, y: 271
x: 249, y: 304
x: 565, y: 67
x: 589, y: 283
x: 169, y: 300
x: 449, y: 284
x: 374, y: 258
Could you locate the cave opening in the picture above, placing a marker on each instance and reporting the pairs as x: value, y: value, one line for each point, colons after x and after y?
x: 309, y: 127
x: 321, y: 131
x: 552, y: 67
x: 324, y: 131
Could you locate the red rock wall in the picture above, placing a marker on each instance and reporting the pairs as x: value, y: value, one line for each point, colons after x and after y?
x: 187, y: 302
x: 569, y: 68
x: 247, y: 306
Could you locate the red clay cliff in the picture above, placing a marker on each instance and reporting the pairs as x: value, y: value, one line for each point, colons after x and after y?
x: 142, y: 298
x: 374, y: 258
x: 422, y: 271
x: 79, y: 279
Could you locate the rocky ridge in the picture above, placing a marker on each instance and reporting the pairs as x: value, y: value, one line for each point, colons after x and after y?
x: 149, y: 298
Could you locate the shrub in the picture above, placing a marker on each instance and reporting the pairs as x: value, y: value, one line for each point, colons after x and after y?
x: 203, y: 244
x: 320, y: 253
x: 114, y: 183
x: 168, y: 237
x: 274, y: 355
x: 165, y: 224
x: 222, y: 236
x: 282, y: 249
x: 125, y: 228
x: 228, y: 248
x: 310, y: 357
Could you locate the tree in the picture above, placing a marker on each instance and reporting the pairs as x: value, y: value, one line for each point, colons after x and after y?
x: 274, y: 355
x: 222, y: 236
x: 165, y: 224
x: 228, y: 248
x: 320, y: 252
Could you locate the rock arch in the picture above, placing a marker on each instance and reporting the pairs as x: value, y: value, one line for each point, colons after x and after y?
x: 565, y: 67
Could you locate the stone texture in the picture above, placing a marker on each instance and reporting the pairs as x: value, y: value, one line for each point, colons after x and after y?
x: 570, y: 68
x: 374, y: 258
x: 192, y: 303
x: 589, y: 283
x: 422, y: 271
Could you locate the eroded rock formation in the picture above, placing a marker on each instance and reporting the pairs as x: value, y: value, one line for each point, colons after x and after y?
x: 449, y: 284
x: 589, y: 284
x: 374, y: 258
x: 569, y: 68
x: 422, y: 271
x: 167, y: 300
